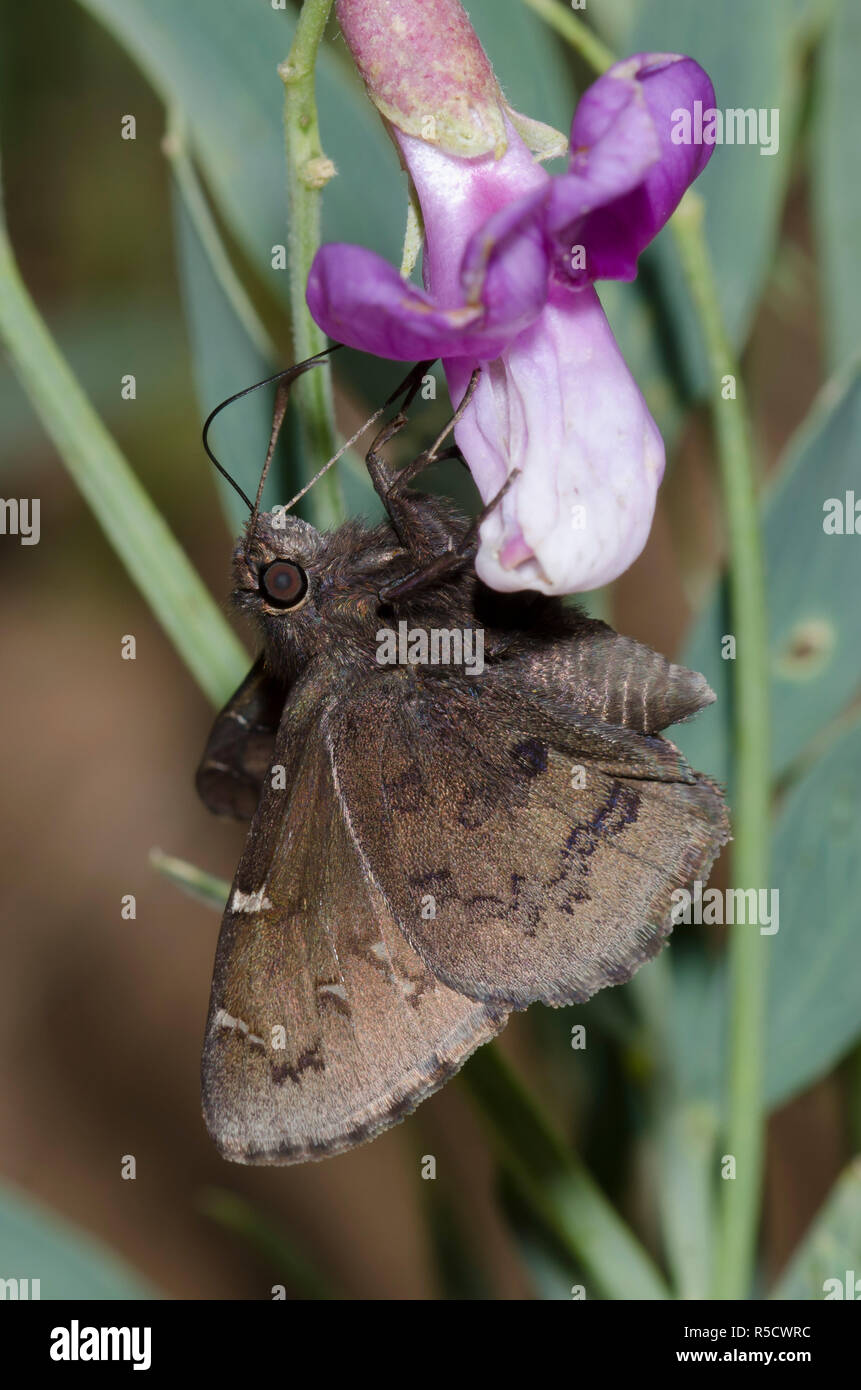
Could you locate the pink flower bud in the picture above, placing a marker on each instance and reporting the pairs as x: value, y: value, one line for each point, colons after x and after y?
x: 426, y: 71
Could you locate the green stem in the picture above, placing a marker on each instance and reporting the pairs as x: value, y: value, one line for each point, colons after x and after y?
x: 577, y: 34
x: 140, y: 536
x: 557, y: 1186
x: 308, y: 171
x: 752, y: 775
x: 257, y: 1230
x: 197, y: 883
x: 751, y: 723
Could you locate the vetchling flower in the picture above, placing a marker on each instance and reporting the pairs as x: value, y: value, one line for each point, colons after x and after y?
x: 510, y: 257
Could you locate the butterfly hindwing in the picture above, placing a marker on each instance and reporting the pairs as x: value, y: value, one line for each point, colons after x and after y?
x: 587, y: 669
x: 525, y: 858
x: 240, y: 747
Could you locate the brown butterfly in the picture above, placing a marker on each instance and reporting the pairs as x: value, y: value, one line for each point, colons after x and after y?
x: 429, y: 849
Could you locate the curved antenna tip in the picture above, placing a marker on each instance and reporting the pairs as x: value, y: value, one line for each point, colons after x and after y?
x: 288, y: 373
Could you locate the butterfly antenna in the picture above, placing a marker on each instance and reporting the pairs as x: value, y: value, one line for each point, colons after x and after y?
x: 285, y: 381
x: 285, y: 378
x: 409, y: 388
x: 411, y: 384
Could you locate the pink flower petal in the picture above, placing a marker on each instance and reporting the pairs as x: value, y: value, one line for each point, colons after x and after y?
x: 561, y: 406
x: 627, y: 173
x: 359, y: 299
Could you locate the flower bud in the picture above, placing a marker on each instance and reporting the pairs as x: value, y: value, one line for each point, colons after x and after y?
x: 426, y: 72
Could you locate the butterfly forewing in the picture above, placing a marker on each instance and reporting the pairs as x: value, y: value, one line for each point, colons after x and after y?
x: 325, y: 1026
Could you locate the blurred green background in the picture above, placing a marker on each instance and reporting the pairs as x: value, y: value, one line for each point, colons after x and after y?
x: 102, y: 1018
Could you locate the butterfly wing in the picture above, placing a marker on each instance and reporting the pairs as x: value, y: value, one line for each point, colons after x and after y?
x: 325, y: 1027
x: 547, y: 843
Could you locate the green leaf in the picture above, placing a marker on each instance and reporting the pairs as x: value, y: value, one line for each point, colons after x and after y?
x: 227, y: 360
x: 815, y: 634
x: 700, y: 1011
x: 558, y: 1188
x: 836, y: 197
x: 812, y: 1016
x: 459, y: 1271
x: 232, y: 351
x: 832, y: 1247
x: 216, y: 62
x: 553, y: 1272
x: 38, y: 1244
x: 197, y: 883
x: 686, y: 1135
x: 94, y: 335
x: 140, y: 536
x: 613, y: 21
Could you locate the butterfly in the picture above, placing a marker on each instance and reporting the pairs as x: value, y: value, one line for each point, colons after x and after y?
x: 430, y: 848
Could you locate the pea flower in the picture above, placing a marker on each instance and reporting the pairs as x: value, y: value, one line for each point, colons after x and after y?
x: 510, y: 259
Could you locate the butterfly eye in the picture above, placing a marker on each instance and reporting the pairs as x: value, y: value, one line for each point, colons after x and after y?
x: 283, y: 584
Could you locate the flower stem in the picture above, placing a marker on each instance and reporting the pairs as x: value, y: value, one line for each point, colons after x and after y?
x: 751, y: 722
x: 752, y: 773
x: 308, y: 171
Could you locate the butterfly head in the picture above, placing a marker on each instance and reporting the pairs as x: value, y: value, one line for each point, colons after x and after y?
x: 308, y: 589
x: 273, y: 564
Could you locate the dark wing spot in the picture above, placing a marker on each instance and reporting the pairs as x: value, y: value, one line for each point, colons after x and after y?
x: 620, y: 810
x: 405, y: 793
x: 530, y: 756
x: 477, y: 805
x: 435, y: 878
x: 310, y: 1060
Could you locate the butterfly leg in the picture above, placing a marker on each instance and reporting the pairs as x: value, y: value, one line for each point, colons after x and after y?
x: 442, y: 567
x: 423, y: 532
x: 383, y: 476
x: 435, y: 454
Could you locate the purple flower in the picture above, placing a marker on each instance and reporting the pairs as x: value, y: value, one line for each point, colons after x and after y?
x: 510, y: 258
